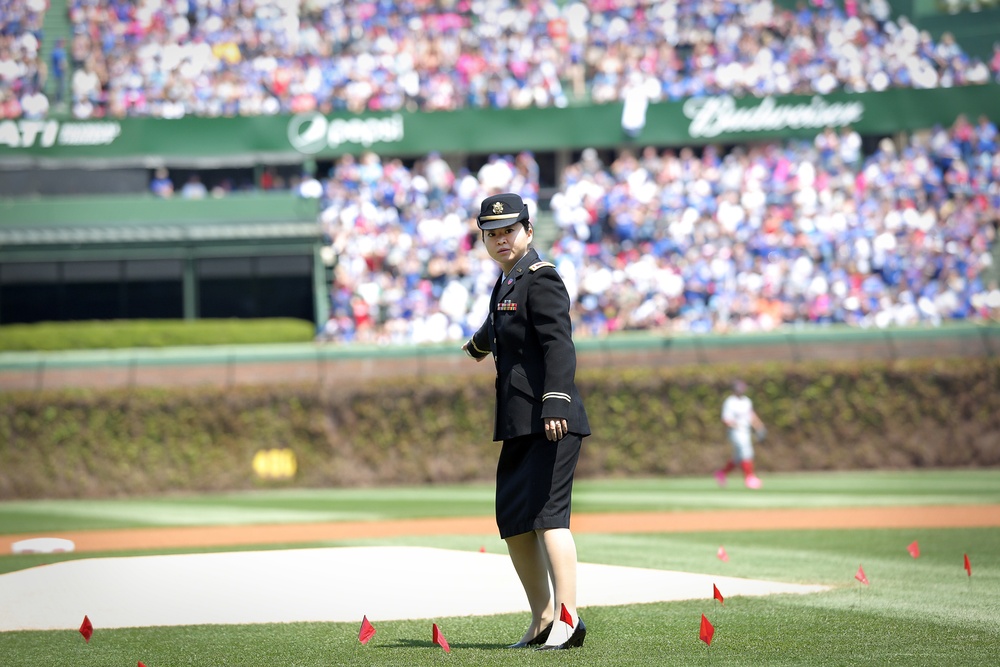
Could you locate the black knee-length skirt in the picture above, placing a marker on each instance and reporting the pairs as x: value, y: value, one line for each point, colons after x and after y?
x: 535, y: 483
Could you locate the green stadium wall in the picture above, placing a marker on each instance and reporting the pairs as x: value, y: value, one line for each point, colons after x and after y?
x: 107, y: 143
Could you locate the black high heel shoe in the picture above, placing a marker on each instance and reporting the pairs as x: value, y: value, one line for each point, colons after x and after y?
x: 576, y: 639
x: 539, y: 638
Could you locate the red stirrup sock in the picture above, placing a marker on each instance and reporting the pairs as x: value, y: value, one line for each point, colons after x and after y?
x: 747, y: 468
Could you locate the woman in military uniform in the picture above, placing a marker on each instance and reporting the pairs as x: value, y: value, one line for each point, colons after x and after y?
x: 539, y: 417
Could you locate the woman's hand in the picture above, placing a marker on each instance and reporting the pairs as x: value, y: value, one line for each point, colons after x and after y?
x: 555, y: 429
x: 465, y: 348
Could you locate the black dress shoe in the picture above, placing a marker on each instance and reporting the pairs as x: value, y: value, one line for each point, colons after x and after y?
x: 576, y: 639
x: 539, y: 638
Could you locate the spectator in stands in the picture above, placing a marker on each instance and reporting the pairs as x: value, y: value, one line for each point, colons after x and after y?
x: 270, y: 179
x: 34, y: 103
x: 161, y: 185
x: 309, y: 186
x: 193, y: 188
x: 10, y: 106
x: 59, y: 60
x: 88, y: 90
x: 10, y: 69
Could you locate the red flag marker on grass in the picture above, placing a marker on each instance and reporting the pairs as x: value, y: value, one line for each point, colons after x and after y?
x: 968, y: 566
x: 722, y: 555
x: 565, y: 617
x: 86, y: 628
x: 717, y: 595
x: 439, y: 639
x: 860, y: 576
x: 367, y: 631
x: 141, y: 664
x: 914, y: 549
x: 707, y: 630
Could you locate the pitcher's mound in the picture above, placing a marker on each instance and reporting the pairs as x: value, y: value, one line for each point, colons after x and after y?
x: 332, y: 584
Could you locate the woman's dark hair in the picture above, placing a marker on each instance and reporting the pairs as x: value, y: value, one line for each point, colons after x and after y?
x: 524, y: 223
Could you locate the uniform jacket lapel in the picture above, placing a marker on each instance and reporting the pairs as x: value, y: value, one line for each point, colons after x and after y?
x: 506, y: 286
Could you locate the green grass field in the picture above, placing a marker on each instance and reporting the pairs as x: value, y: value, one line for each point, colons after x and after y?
x: 924, y: 611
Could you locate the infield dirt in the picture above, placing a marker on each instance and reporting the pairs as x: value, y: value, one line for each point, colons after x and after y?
x: 951, y: 516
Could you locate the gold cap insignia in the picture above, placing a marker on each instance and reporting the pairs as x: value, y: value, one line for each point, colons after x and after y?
x: 498, y: 207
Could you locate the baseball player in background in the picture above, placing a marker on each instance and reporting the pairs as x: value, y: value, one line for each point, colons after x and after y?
x: 743, y: 423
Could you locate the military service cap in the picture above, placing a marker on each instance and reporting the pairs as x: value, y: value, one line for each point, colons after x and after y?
x: 502, y: 210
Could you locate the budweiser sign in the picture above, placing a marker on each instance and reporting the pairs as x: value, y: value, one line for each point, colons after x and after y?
x: 714, y: 116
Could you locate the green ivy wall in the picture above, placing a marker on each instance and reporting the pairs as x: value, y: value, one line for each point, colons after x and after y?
x: 821, y: 416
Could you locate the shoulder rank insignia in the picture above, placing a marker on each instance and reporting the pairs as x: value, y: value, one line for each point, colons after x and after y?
x: 539, y: 265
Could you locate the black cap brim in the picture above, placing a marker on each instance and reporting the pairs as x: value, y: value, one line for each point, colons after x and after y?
x: 489, y: 222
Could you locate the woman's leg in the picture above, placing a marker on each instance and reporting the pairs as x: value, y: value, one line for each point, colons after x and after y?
x: 532, y: 567
x: 560, y: 549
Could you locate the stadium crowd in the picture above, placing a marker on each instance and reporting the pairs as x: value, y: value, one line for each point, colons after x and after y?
x: 782, y: 234
x: 785, y: 234
x: 169, y: 58
x: 23, y: 67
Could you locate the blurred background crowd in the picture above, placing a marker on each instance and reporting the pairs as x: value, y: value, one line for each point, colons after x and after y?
x: 170, y: 58
x: 733, y: 238
x: 757, y: 237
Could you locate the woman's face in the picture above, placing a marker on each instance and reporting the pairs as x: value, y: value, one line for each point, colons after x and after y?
x: 507, y: 245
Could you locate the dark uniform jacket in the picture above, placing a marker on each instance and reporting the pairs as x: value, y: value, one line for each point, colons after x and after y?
x: 529, y: 333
